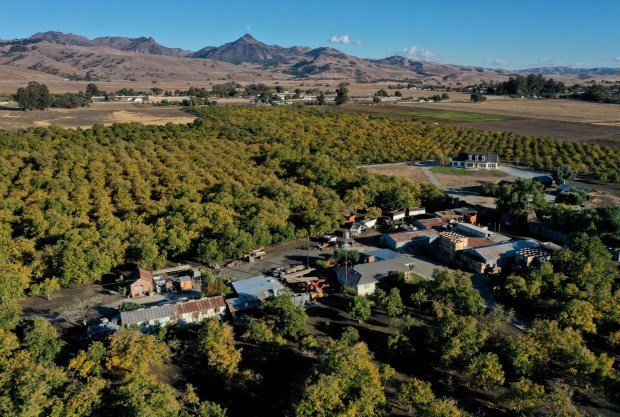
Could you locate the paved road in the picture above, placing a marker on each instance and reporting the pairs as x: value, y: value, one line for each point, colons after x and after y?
x: 521, y: 172
x: 431, y: 177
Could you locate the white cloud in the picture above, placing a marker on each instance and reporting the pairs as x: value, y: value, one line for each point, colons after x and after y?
x: 616, y: 58
x: 548, y: 63
x: 345, y: 39
x: 582, y: 64
x: 497, y: 62
x: 419, y: 53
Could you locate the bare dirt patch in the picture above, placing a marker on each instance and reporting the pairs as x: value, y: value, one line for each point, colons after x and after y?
x: 69, y: 306
x: 402, y: 170
x: 474, y: 179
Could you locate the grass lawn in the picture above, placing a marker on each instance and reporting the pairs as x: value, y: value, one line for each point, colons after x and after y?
x: 416, y: 279
x: 467, y: 172
x: 452, y: 171
x: 458, y: 116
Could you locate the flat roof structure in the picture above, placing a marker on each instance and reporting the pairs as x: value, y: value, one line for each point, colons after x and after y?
x: 492, y: 253
x: 252, y: 291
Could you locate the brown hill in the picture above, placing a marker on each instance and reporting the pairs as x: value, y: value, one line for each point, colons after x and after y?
x: 143, y: 45
x: 118, y: 59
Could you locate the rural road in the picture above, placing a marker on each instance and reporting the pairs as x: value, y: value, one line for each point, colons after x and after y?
x: 431, y: 177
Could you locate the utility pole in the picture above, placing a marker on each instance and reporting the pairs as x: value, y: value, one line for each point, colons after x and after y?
x: 346, y: 267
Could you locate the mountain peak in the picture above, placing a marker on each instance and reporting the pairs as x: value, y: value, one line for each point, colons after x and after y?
x: 247, y: 37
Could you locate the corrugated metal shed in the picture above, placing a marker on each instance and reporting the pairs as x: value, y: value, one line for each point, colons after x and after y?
x: 203, y: 304
x: 382, y: 254
x: 258, y: 287
x: 490, y: 254
x: 142, y: 315
x: 407, y: 236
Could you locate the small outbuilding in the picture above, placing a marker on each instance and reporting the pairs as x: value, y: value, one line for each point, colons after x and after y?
x: 142, y: 284
x: 185, y: 283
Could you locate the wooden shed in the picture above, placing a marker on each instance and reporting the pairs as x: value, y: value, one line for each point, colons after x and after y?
x: 185, y: 283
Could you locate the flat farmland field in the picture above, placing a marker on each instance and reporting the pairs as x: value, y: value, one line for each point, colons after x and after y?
x: 400, y: 169
x: 566, y: 120
x: 103, y: 113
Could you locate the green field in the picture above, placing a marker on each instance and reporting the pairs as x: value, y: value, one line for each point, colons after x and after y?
x: 457, y: 116
x: 466, y: 172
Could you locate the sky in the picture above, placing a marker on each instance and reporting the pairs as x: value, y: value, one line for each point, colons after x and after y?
x: 489, y: 33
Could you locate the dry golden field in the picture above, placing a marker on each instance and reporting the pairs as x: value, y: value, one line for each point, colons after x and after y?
x: 401, y: 170
x: 561, y: 110
x: 104, y: 113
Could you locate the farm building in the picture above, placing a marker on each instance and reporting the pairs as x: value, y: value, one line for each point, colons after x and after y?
x: 396, y: 215
x: 251, y: 292
x: 528, y: 256
x: 450, y: 244
x: 477, y: 231
x: 363, y: 278
x: 184, y: 312
x: 436, y: 223
x: 415, y: 211
x: 404, y: 240
x: 545, y: 180
x: 142, y: 283
x: 185, y: 283
x: 380, y: 255
x: 469, y: 215
x: 494, y: 258
x: 475, y: 160
x: 194, y: 311
x: 146, y: 318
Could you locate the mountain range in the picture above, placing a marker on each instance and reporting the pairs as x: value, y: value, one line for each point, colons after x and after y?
x: 60, y: 56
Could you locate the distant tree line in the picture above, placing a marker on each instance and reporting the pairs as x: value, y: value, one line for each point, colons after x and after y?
x: 532, y: 85
x: 37, y: 97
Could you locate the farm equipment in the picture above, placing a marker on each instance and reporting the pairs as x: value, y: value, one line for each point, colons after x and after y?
x: 315, y: 288
x: 256, y: 254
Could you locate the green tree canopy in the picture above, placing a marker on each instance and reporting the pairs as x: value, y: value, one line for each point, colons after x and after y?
x: 34, y: 97
x: 517, y: 197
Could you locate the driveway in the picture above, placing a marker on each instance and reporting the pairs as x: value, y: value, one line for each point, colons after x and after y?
x: 521, y: 172
x: 431, y: 177
x: 424, y: 266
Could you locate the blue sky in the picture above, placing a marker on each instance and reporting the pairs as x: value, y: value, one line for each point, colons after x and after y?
x: 507, y: 34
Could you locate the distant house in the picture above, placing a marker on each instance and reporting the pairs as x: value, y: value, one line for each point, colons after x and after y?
x: 475, y: 160
x: 142, y: 284
x: 363, y: 278
x: 184, y: 312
